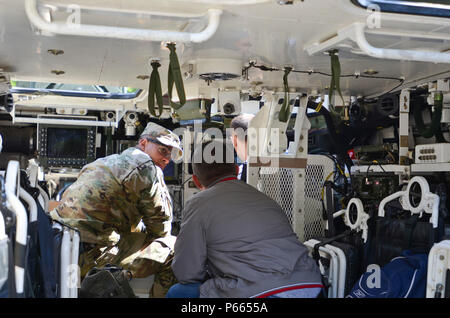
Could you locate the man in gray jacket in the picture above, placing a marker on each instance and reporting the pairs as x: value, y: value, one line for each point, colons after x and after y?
x: 235, y: 241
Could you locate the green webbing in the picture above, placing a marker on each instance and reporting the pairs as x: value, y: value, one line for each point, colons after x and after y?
x: 335, y: 76
x: 435, y: 126
x: 285, y: 113
x: 175, y: 77
x: 154, y: 90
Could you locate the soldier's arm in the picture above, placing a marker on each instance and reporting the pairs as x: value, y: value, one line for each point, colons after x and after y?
x: 154, y: 203
x: 156, y: 218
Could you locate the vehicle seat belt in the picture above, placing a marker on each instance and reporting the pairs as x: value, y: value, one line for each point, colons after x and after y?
x: 154, y: 90
x: 335, y: 76
x: 285, y: 113
x: 174, y: 77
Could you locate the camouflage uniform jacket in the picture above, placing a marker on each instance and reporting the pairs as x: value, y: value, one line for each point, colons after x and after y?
x: 113, y: 194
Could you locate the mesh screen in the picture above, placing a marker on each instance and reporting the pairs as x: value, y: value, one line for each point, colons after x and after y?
x: 280, y: 185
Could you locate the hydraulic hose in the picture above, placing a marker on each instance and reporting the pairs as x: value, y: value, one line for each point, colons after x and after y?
x: 340, y: 147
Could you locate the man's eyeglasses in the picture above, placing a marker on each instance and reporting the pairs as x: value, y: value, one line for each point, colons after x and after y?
x: 162, y: 149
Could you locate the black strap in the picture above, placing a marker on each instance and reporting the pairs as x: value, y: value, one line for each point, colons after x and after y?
x: 447, y: 284
x: 329, y: 210
x: 109, y: 142
x: 410, y: 224
x: 285, y: 113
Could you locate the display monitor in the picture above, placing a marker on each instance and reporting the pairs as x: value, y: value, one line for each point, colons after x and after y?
x: 67, y: 142
x: 66, y: 145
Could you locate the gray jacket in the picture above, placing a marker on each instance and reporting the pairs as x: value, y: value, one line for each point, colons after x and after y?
x: 239, y: 243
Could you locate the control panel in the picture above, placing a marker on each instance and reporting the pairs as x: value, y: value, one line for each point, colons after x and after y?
x: 66, y: 145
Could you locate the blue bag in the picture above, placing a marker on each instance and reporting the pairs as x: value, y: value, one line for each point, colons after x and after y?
x: 403, y: 277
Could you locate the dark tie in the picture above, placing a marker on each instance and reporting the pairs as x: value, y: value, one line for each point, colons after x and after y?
x: 244, y: 172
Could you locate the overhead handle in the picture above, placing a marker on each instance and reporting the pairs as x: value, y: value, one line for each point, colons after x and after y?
x: 31, y: 9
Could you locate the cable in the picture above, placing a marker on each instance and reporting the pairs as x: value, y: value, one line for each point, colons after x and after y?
x: 186, y: 181
x: 374, y: 161
x: 310, y: 72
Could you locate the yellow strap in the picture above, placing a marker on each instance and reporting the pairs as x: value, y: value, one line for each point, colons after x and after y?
x: 319, y: 107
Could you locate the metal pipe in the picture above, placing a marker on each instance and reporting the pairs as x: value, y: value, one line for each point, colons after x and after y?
x: 24, y: 195
x: 2, y: 227
x: 11, y: 184
x: 75, y: 271
x: 45, y: 196
x: 395, y: 54
x: 388, y: 199
x: 122, y: 33
x: 333, y: 270
x: 65, y: 264
x: 41, y: 201
x: 434, y: 219
x: 70, y: 122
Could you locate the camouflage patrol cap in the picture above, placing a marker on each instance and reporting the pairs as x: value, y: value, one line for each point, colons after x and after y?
x: 165, y: 137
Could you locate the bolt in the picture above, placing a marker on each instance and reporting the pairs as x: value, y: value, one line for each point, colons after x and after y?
x: 300, y: 149
x: 301, y: 137
x: 441, y: 257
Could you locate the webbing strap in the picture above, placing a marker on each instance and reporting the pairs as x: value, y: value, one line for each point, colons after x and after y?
x: 175, y: 77
x: 319, y: 107
x: 335, y: 76
x: 285, y: 113
x: 155, y: 91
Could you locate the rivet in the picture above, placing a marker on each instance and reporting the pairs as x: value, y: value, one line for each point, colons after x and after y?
x: 58, y: 72
x: 55, y: 51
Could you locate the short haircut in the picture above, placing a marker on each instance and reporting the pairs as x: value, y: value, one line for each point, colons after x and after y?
x: 240, y: 124
x: 146, y: 136
x: 208, y: 165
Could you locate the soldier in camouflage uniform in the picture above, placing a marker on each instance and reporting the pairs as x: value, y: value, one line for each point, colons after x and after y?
x: 123, y: 210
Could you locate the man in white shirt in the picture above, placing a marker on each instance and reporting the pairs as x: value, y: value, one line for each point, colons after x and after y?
x: 239, y: 138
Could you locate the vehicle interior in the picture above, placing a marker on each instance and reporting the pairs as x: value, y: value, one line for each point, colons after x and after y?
x: 351, y: 101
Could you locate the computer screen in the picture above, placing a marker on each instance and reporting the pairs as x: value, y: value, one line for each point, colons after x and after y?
x: 67, y: 142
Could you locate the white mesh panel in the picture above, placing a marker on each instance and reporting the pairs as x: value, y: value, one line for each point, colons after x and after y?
x: 314, y: 224
x: 299, y: 194
x: 278, y: 184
